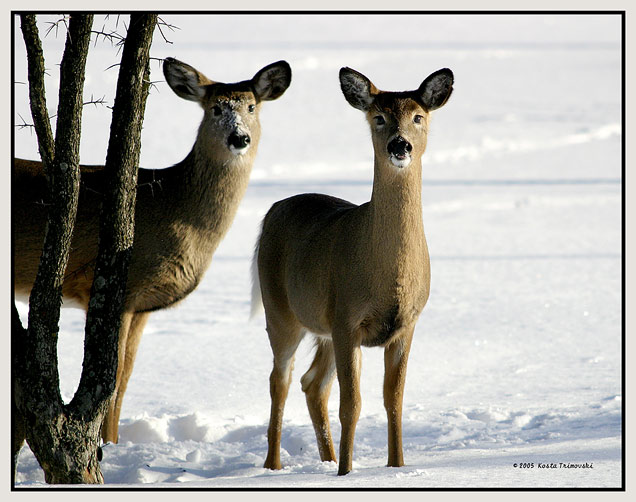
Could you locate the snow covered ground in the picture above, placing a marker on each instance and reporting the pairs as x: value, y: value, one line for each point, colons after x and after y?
x: 517, y: 356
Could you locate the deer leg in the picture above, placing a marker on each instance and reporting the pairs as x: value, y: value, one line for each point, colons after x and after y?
x: 284, y: 340
x: 132, y: 327
x: 316, y: 385
x: 348, y: 363
x: 396, y: 356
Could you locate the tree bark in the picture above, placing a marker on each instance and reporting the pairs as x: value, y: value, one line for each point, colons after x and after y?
x: 97, y: 382
x: 65, y: 439
x: 37, y: 395
x: 37, y: 95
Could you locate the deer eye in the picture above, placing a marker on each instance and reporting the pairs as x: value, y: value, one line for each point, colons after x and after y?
x: 418, y: 119
x: 251, y: 108
x: 379, y: 120
x: 216, y: 110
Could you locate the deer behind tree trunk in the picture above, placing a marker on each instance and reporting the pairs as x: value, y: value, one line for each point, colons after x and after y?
x: 182, y: 212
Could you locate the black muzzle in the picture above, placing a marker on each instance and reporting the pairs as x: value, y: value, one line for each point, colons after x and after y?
x: 399, y: 147
x: 238, y: 141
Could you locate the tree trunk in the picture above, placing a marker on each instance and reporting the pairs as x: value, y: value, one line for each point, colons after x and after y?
x: 65, y: 439
x: 103, y: 321
x: 37, y: 395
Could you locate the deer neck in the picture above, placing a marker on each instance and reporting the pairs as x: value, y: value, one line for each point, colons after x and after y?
x: 214, y: 188
x: 395, y: 216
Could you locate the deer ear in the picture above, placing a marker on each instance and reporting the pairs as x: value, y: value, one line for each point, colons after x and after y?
x: 186, y: 81
x: 272, y: 81
x: 358, y: 90
x: 436, y: 89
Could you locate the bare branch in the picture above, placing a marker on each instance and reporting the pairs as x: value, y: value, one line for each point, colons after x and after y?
x: 24, y: 124
x: 92, y: 101
x: 161, y: 23
x: 112, y: 36
x: 55, y: 26
x: 152, y: 84
x: 98, y: 101
x: 116, y: 21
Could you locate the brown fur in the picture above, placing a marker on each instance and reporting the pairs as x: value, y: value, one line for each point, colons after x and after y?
x: 182, y: 212
x: 352, y: 275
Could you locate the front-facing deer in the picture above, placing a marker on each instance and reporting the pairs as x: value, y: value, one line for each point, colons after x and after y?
x: 351, y: 275
x: 182, y: 212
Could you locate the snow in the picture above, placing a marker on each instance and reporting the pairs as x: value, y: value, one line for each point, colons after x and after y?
x: 516, y: 358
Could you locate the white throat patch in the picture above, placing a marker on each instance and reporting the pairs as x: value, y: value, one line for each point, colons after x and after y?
x: 400, y: 163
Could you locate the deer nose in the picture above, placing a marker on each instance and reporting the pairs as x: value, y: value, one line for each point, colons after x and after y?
x: 399, y: 147
x: 238, y: 141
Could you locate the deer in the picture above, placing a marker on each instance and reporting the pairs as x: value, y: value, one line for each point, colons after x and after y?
x: 351, y: 275
x: 182, y: 212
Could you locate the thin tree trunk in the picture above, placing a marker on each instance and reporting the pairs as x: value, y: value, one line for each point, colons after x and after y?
x: 65, y: 439
x: 37, y: 395
x: 97, y: 382
x: 37, y: 95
